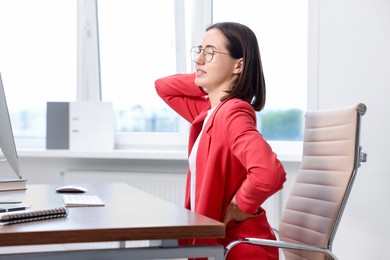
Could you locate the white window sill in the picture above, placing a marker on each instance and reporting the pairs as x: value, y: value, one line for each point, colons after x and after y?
x: 287, y: 152
x: 151, y: 154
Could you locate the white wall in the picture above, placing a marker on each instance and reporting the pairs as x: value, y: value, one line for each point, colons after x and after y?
x: 354, y: 66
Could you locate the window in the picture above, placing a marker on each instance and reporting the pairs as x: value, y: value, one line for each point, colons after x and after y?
x: 37, y: 61
x: 135, y: 50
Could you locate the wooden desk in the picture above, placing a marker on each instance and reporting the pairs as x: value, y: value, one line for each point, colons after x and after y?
x: 129, y: 214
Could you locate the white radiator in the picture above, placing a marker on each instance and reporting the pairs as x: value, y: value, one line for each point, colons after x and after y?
x: 170, y: 187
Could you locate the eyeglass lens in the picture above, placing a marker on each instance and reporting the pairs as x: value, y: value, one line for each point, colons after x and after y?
x: 208, y: 53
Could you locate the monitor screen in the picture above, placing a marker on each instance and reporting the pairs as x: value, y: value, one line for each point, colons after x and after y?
x: 7, y: 142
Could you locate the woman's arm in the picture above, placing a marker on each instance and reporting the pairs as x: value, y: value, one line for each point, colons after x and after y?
x: 182, y: 95
x: 265, y: 173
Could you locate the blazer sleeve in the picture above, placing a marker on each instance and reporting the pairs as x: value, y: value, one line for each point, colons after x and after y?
x: 182, y: 95
x: 265, y: 173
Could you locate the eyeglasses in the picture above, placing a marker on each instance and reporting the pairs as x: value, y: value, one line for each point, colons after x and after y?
x: 208, y: 53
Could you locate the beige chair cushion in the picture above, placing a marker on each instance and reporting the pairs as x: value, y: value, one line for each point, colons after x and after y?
x: 326, y: 168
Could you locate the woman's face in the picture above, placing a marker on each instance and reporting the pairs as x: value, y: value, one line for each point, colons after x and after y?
x: 218, y: 74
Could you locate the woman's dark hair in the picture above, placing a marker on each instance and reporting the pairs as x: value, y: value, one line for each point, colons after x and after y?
x: 242, y: 43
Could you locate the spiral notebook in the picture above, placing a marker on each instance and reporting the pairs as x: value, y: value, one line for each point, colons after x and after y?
x: 32, y: 215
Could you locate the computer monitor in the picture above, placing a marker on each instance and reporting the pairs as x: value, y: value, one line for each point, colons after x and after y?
x: 7, y: 141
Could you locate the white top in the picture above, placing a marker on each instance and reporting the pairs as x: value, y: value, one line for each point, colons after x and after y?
x: 192, y: 162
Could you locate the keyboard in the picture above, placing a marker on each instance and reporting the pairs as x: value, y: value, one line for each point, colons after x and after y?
x: 81, y: 200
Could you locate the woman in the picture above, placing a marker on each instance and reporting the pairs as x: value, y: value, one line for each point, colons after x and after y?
x: 232, y: 169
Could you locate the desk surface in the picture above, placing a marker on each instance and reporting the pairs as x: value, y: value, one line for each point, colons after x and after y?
x: 129, y: 214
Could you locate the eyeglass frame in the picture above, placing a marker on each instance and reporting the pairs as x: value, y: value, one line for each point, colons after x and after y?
x: 202, y: 50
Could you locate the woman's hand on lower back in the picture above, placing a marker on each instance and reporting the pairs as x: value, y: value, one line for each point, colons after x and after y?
x: 233, y: 212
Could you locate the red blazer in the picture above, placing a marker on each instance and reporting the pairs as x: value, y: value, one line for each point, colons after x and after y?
x: 233, y: 158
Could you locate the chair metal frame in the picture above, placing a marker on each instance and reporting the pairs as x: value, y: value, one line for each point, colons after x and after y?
x: 359, y: 157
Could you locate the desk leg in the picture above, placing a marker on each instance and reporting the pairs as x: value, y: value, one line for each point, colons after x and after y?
x: 122, y: 244
x: 164, y: 243
x: 174, y: 244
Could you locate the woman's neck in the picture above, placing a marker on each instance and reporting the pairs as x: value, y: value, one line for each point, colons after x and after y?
x: 216, y: 96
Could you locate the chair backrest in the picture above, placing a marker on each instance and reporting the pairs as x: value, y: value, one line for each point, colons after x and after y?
x: 331, y: 156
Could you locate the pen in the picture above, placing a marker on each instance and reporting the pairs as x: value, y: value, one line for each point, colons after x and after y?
x: 2, y: 210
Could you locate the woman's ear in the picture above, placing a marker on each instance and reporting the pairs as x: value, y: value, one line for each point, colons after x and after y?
x: 238, y: 66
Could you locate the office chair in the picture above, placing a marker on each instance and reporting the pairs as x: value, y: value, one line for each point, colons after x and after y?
x: 330, y: 160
